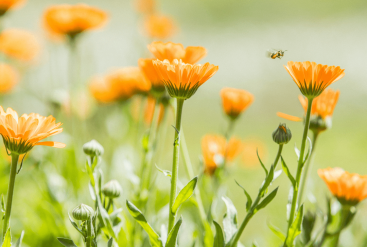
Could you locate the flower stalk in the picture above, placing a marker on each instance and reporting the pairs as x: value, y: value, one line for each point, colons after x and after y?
x: 175, y: 164
x: 252, y: 211
x: 9, y: 201
x: 300, y: 166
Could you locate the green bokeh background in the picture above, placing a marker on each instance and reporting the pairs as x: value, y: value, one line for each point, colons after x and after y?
x: 236, y: 34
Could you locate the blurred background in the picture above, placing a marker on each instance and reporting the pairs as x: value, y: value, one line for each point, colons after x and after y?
x: 236, y: 33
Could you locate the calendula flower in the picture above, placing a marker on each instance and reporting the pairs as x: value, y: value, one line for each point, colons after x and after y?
x: 312, y: 78
x: 72, y: 20
x: 6, y: 5
x: 102, y: 91
x: 183, y: 80
x: 235, y: 101
x: 145, y: 7
x: 21, y: 134
x: 159, y: 26
x: 8, y: 78
x: 19, y: 44
x: 146, y: 65
x: 321, y: 111
x: 172, y: 51
x: 249, y: 152
x: 348, y: 188
x: 216, y: 151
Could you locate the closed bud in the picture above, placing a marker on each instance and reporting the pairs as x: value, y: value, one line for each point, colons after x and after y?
x: 318, y: 124
x: 282, y: 135
x: 93, y: 148
x: 82, y: 212
x: 112, y: 189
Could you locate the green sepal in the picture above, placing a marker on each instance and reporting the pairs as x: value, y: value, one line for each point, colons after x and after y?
x: 172, y: 236
x: 295, y: 228
x: 266, y: 200
x: 249, y: 200
x: 276, y: 231
x: 7, y: 239
x: 261, y: 163
x: 219, y: 238
x: 67, y: 242
x: 184, y: 194
x: 287, y: 172
x: 154, y: 238
x: 229, y: 219
x: 165, y: 172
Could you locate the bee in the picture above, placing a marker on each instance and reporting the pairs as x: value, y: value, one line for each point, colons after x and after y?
x: 275, y: 53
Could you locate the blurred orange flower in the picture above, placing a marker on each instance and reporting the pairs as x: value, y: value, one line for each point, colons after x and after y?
x: 159, y: 26
x: 72, y: 20
x: 249, y: 152
x: 235, y: 101
x: 6, y: 5
x: 145, y: 6
x: 313, y: 78
x: 146, y: 65
x: 216, y: 151
x: 21, y: 134
x: 8, y: 78
x: 119, y: 84
x: 182, y: 80
x: 348, y: 188
x: 19, y: 44
x: 149, y: 111
x: 322, y: 106
x: 172, y: 51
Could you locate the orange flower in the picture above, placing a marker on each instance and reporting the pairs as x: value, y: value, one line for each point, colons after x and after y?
x: 159, y: 26
x: 146, y: 65
x: 21, y: 134
x: 6, y: 5
x: 119, y: 84
x: 183, y: 80
x: 8, y: 78
x: 19, y: 44
x: 235, y: 101
x: 321, y: 112
x: 313, y: 78
x: 145, y: 6
x: 172, y: 51
x: 72, y: 20
x: 249, y: 152
x: 348, y: 188
x: 216, y: 151
x: 149, y: 111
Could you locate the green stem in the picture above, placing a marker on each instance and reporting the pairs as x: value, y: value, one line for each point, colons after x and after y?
x: 190, y: 173
x: 300, y: 165
x: 308, y: 168
x: 176, y: 153
x: 251, y: 213
x: 230, y: 128
x: 9, y: 200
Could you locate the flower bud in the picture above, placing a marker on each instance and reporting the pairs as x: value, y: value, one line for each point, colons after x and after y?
x: 112, y: 189
x: 282, y: 135
x: 93, y: 148
x: 82, y: 212
x: 318, y: 124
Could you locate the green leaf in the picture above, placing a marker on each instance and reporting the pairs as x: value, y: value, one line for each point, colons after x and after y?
x: 91, y: 191
x: 261, y: 163
x: 230, y: 219
x: 309, y: 150
x: 19, y: 242
x: 249, y: 200
x: 75, y: 225
x: 90, y: 173
x: 276, y: 231
x: 165, y: 172
x: 7, y: 239
x: 297, y: 151
x: 172, y: 236
x: 106, y: 218
x: 208, y: 236
x: 287, y: 172
x: 295, y: 228
x: 67, y: 242
x: 266, y: 200
x: 184, y: 194
x: 219, y: 238
x: 254, y: 244
x: 154, y: 238
x: 110, y: 242
x: 267, y: 181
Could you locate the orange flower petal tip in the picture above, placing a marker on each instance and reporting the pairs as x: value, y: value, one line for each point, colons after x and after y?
x: 289, y: 117
x: 51, y: 144
x: 312, y: 78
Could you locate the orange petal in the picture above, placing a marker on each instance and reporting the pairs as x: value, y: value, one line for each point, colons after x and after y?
x: 289, y: 117
x: 52, y: 144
